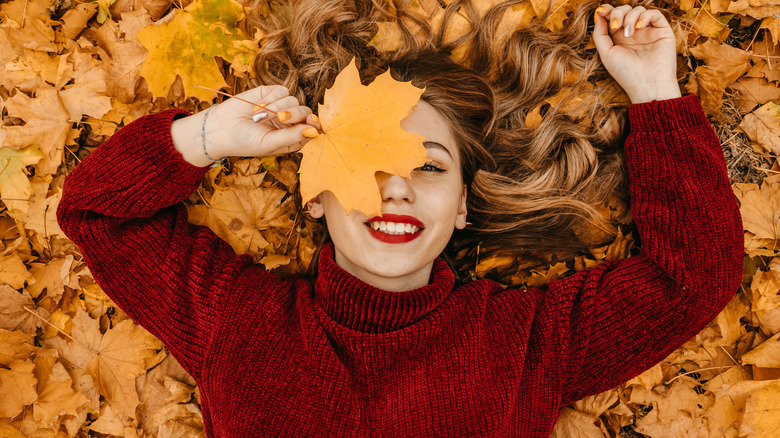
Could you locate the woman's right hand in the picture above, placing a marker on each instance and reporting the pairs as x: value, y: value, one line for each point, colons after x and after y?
x: 231, y: 131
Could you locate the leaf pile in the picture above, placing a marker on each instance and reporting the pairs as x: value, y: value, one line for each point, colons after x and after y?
x: 72, y: 73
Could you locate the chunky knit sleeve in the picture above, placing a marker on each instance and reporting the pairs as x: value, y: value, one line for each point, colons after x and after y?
x: 121, y: 206
x: 621, y: 317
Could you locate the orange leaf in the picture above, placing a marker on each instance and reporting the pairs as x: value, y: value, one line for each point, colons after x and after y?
x: 362, y: 136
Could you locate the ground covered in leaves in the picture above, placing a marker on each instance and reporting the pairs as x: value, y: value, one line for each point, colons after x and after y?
x: 72, y: 73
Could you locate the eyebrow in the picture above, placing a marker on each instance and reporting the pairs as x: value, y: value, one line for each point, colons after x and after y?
x: 432, y: 144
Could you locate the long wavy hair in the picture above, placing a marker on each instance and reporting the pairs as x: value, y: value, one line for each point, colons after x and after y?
x: 533, y: 187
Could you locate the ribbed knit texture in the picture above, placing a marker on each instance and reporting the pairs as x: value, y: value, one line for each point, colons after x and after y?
x: 340, y: 358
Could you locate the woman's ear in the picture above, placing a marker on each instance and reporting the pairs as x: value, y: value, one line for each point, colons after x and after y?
x: 460, y: 220
x: 314, y: 207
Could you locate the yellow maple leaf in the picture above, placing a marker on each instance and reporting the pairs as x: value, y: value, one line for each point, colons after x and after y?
x: 362, y: 136
x: 14, y: 186
x: 187, y: 44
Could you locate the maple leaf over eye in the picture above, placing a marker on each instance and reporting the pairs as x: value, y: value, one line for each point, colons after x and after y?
x: 362, y: 136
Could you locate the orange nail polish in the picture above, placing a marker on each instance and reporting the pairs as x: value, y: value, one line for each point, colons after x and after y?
x: 283, y: 115
x: 640, y: 23
x: 599, y: 9
x: 310, y: 132
x: 257, y: 108
x: 615, y: 24
x: 315, y: 119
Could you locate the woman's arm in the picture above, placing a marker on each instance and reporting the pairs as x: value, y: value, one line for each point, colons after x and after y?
x: 622, y: 317
x: 121, y: 206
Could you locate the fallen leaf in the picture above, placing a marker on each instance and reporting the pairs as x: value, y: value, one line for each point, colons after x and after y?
x: 187, y: 44
x: 15, y: 188
x: 13, y: 272
x: 17, y: 384
x: 763, y: 127
x: 760, y: 208
x: 47, y: 125
x: 766, y: 355
x: 19, y: 312
x: 362, y: 136
x: 56, y: 396
x: 75, y: 20
x: 17, y: 346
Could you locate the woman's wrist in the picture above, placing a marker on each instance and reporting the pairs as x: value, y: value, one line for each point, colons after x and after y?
x: 656, y: 91
x: 190, y: 137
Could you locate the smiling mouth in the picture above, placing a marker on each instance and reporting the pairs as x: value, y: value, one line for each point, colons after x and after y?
x: 393, y: 228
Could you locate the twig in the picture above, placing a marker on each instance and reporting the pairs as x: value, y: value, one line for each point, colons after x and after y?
x: 255, y: 106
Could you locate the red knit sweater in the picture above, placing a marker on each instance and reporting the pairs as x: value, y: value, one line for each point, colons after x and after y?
x: 339, y: 358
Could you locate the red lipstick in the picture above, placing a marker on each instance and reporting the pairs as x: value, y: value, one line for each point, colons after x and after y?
x: 396, y: 218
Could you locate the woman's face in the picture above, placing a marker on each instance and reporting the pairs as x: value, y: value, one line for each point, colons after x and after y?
x: 396, y: 251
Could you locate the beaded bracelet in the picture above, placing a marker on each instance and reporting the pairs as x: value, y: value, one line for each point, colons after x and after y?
x: 203, y: 136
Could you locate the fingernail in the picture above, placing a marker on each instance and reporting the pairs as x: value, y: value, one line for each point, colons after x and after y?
x: 258, y: 107
x: 599, y: 9
x: 627, y: 31
x: 315, y: 119
x: 640, y: 23
x: 259, y: 116
x: 310, y: 132
x: 283, y: 115
x: 615, y: 24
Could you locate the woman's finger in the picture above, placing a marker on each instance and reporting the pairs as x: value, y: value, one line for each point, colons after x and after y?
x: 601, y: 28
x: 616, y: 17
x: 653, y: 18
x: 290, y: 139
x: 278, y: 110
x: 631, y: 19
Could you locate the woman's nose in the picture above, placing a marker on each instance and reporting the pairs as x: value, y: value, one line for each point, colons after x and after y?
x: 394, y: 187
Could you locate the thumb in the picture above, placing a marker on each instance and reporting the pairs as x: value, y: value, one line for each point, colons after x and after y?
x: 290, y: 139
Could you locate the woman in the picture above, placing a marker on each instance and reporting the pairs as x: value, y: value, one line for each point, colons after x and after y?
x: 382, y: 343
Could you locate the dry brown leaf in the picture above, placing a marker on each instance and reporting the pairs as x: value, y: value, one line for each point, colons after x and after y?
x: 753, y: 91
x: 766, y: 355
x: 17, y: 384
x: 576, y: 424
x: 763, y: 127
x: 52, y: 277
x: 766, y: 301
x: 760, y: 207
x: 754, y: 8
x: 75, y: 20
x: 87, y: 95
x: 113, y: 360
x: 19, y: 312
x: 13, y: 272
x: 56, y: 396
x: 126, y: 52
x: 762, y: 412
x: 16, y: 346
x: 48, y: 124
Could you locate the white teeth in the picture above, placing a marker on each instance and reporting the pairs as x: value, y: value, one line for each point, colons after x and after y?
x: 393, y: 228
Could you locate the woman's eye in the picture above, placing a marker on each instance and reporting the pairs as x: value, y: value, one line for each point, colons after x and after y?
x: 431, y: 167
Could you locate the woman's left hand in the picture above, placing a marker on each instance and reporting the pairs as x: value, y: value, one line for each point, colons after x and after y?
x: 644, y: 62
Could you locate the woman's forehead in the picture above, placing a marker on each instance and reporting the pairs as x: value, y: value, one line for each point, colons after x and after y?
x: 426, y: 121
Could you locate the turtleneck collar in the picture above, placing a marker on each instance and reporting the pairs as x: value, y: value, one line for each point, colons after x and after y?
x: 365, y: 308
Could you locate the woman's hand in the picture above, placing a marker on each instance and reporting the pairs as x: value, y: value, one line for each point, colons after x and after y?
x: 642, y: 59
x: 230, y: 129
